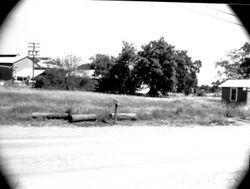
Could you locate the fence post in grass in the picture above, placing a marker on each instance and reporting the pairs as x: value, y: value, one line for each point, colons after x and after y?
x: 116, y: 102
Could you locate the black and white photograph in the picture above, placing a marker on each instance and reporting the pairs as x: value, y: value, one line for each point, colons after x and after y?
x: 124, y: 95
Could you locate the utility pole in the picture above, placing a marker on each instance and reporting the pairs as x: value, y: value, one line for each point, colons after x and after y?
x: 32, y: 51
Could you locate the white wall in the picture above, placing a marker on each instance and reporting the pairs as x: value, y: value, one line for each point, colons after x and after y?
x: 24, y: 68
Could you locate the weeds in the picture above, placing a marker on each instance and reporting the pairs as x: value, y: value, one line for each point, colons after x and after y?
x: 18, y: 104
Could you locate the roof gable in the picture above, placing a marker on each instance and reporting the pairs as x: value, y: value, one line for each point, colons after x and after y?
x: 39, y: 62
x: 236, y: 83
x: 26, y: 57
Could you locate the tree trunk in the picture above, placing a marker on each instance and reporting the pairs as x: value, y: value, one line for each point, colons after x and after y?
x: 50, y: 115
x: 82, y: 117
x: 124, y: 116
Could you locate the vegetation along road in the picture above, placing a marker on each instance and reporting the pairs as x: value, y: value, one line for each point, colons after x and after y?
x: 124, y: 157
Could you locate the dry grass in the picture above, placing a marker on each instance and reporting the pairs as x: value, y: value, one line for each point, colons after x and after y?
x: 17, y: 104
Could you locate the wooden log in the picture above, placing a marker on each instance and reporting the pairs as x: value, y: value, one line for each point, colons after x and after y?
x: 124, y: 116
x: 50, y: 115
x: 115, y: 114
x: 82, y: 117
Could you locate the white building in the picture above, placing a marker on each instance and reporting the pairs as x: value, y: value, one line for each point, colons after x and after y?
x: 23, y: 68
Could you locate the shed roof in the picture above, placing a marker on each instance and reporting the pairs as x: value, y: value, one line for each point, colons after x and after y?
x: 236, y: 83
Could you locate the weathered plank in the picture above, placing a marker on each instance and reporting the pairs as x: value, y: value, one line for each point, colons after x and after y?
x: 124, y: 116
x: 82, y: 117
x: 49, y: 115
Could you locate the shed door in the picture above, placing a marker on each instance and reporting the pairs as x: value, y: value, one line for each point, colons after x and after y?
x: 233, y: 94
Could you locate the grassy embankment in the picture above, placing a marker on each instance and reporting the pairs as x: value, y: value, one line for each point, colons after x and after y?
x: 17, y: 104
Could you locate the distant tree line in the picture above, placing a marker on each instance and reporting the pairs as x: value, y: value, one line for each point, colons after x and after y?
x: 157, y: 65
x: 204, y: 89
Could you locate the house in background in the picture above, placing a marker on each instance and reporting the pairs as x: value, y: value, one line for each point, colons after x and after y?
x: 236, y: 91
x: 85, y: 70
x: 21, y: 68
x: 84, y: 73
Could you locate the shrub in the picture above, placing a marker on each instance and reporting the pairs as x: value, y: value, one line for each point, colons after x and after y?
x: 60, y: 79
x: 201, y: 93
x: 51, y: 79
x: 88, y: 84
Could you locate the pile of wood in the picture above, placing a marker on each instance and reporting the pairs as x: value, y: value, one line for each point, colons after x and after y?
x: 81, y: 117
x: 85, y: 117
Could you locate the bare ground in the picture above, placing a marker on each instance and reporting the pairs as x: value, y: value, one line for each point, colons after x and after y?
x: 123, y: 157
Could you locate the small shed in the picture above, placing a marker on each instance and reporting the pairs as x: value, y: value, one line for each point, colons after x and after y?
x: 236, y: 91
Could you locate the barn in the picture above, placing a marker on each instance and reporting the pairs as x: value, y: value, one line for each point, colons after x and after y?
x: 6, y: 66
x: 236, y: 91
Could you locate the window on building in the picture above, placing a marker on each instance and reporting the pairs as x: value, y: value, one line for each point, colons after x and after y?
x: 233, y: 95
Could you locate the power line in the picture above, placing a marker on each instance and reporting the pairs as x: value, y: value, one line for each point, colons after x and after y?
x: 231, y: 14
x: 200, y: 12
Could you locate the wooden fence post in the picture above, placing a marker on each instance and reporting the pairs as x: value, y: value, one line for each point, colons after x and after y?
x: 116, y: 102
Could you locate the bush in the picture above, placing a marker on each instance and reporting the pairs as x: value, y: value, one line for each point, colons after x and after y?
x: 88, y: 84
x: 201, y: 93
x: 60, y: 79
x: 51, y: 79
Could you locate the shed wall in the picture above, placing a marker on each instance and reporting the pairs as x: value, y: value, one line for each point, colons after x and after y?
x: 23, y: 68
x: 241, y: 95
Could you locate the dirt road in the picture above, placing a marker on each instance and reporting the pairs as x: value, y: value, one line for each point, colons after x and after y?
x: 120, y: 157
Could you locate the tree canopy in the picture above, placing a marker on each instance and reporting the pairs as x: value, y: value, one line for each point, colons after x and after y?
x: 236, y: 65
x: 102, y: 64
x: 165, y: 69
x: 156, y: 66
x: 69, y: 63
x: 119, y: 77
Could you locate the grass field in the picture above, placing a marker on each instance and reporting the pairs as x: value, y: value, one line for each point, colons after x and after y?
x: 17, y: 105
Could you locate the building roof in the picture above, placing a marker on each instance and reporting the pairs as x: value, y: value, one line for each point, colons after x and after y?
x: 19, y: 59
x: 40, y: 62
x: 8, y: 55
x: 8, y: 59
x: 44, y: 62
x: 236, y: 83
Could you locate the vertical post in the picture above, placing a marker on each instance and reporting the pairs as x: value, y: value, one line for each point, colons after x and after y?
x: 33, y: 52
x: 116, y: 102
x: 12, y: 75
x: 116, y: 107
x: 33, y: 61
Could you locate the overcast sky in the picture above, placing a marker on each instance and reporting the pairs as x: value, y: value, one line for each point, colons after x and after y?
x: 85, y: 28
